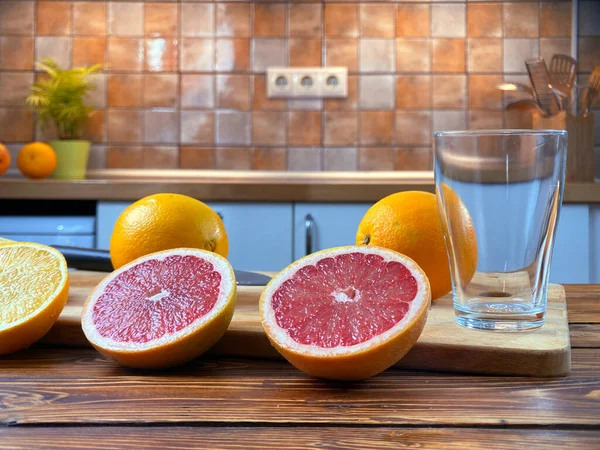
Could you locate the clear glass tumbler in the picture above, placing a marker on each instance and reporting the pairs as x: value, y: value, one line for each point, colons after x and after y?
x: 499, y: 195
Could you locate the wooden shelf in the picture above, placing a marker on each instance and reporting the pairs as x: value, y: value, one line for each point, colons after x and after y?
x: 244, y: 186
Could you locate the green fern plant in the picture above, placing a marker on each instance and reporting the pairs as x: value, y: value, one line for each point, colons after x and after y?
x: 59, y: 98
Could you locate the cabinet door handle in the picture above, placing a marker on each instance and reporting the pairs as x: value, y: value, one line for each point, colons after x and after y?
x: 220, y: 215
x: 309, y: 227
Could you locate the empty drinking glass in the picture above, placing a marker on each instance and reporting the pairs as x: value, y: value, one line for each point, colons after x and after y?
x: 499, y: 195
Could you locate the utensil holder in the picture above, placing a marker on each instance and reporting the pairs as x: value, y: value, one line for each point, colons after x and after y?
x: 580, y: 149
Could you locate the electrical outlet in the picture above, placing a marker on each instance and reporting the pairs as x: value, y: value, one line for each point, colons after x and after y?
x: 307, y: 82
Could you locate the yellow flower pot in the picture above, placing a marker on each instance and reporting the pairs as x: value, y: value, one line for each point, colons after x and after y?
x: 72, y: 158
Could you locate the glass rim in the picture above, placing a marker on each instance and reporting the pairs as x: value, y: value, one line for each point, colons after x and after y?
x: 499, y: 132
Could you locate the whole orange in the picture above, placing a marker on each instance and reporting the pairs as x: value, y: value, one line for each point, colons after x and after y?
x: 409, y: 223
x: 4, y: 159
x: 36, y: 160
x: 163, y: 222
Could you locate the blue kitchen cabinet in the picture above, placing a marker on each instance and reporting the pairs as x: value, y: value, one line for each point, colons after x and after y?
x: 260, y: 234
x: 572, y: 257
x: 75, y: 231
x: 323, y: 225
x: 594, y: 244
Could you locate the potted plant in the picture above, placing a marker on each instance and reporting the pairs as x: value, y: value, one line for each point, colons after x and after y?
x: 60, y: 99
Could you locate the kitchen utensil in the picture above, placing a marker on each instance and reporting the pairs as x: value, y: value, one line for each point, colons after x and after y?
x: 540, y: 80
x: 591, y: 94
x: 442, y: 345
x: 562, y: 72
x: 99, y: 260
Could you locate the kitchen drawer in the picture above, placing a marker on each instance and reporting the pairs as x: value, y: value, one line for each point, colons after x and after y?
x: 260, y: 234
x: 47, y: 225
x: 71, y: 240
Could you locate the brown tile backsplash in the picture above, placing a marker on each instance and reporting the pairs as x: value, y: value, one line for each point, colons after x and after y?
x: 183, y: 83
x: 53, y: 18
x: 305, y: 19
x: 305, y: 52
x: 484, y: 20
x: 89, y: 18
x: 342, y: 52
x: 373, y: 158
x: 376, y: 128
x: 160, y: 90
x: 161, y: 19
x: 269, y: 158
x: 448, y: 55
x: 232, y: 55
x: 233, y: 20
x: 17, y: 17
x: 125, y: 90
x: 413, y: 20
x: 521, y: 19
x: 88, y: 51
x: 377, y: 20
x: 197, y: 158
x: 270, y: 19
x: 413, y: 128
x: 304, y: 128
x: 341, y: 20
x: 268, y: 128
x: 197, y: 19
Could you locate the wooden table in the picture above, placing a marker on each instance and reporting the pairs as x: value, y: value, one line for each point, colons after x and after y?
x: 66, y: 398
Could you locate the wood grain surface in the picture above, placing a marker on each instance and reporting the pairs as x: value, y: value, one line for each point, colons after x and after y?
x: 160, y: 438
x: 272, y: 187
x: 78, y: 386
x: 65, y: 398
x: 443, y: 345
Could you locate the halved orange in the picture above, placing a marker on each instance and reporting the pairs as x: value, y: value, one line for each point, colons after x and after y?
x: 34, y: 286
x: 346, y: 313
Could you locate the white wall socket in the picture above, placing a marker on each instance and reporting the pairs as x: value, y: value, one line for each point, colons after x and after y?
x: 306, y: 82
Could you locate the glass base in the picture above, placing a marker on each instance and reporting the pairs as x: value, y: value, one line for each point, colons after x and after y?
x: 497, y: 322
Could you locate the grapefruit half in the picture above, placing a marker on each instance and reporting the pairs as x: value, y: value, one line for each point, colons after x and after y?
x: 162, y: 309
x: 346, y: 313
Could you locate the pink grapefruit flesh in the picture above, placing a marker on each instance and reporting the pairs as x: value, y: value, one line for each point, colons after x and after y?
x: 162, y: 309
x: 348, y: 312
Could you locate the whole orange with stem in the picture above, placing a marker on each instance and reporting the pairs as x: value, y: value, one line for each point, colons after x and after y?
x: 163, y: 222
x: 36, y: 160
x: 409, y: 223
x: 4, y: 159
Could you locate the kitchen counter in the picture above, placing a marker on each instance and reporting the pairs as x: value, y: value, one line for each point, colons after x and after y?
x: 244, y: 186
x: 74, y: 398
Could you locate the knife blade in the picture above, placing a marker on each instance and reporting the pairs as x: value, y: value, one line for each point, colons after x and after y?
x: 99, y: 260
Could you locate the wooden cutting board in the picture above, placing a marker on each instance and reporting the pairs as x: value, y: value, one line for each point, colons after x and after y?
x: 443, y: 345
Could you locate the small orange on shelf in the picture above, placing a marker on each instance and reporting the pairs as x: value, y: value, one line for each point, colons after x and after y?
x: 4, y: 159
x: 36, y: 160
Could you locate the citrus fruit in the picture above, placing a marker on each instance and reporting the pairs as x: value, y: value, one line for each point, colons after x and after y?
x: 34, y: 286
x: 5, y: 241
x: 36, y: 160
x: 162, y: 309
x: 346, y: 313
x: 409, y: 223
x: 4, y: 159
x: 164, y: 221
